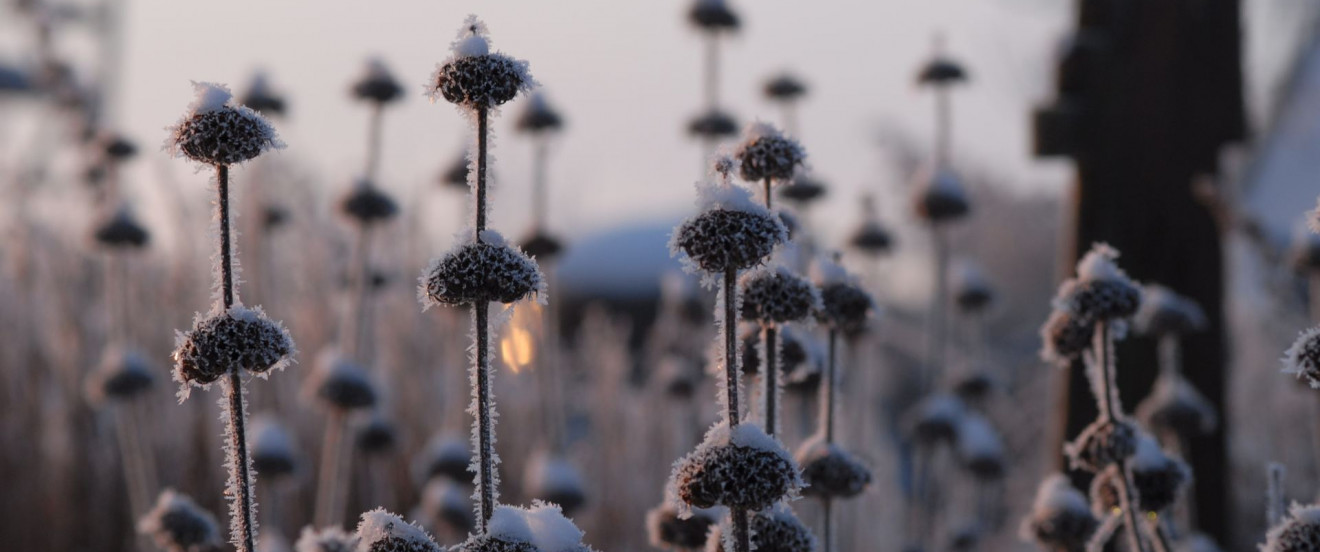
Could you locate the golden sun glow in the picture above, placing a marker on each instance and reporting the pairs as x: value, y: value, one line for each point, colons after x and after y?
x: 521, y: 336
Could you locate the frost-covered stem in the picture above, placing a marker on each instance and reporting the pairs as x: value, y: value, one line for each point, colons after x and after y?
x: 1274, y: 499
x: 1103, y: 350
x: 1126, y: 502
x: 485, y: 421
x: 769, y: 199
x: 226, y: 255
x: 731, y: 346
x: 936, y: 337
x: 827, y: 387
x: 483, y: 121
x: 374, y: 140
x: 327, y: 486
x: 770, y: 378
x: 539, y: 160
x: 242, y: 507
x: 827, y: 524
x: 742, y: 534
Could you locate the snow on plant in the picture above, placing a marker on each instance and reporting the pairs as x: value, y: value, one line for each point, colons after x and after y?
x: 766, y: 155
x: 1298, y: 532
x: 177, y: 524
x: 329, y: 539
x: 230, y: 338
x: 1060, y: 520
x: 382, y: 531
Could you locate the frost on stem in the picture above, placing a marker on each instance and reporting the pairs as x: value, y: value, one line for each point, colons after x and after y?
x: 741, y: 469
x: 382, y: 531
x: 216, y: 131
x: 446, y: 456
x: 473, y: 76
x: 775, y: 295
x: 485, y: 270
x: 339, y: 383
x: 766, y: 153
x: 1302, y: 359
x: 1059, y: 519
x: 177, y: 524
x: 539, y: 528
x: 328, y: 539
x: 731, y: 232
x: 829, y: 471
x: 239, y: 338
x: 1299, y: 532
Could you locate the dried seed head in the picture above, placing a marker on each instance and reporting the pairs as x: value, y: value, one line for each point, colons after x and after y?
x: 972, y: 291
x: 785, y: 87
x: 667, y: 530
x: 803, y: 190
x: 766, y: 153
x: 793, y: 352
x: 1059, y: 520
x: 775, y: 529
x: 488, y: 543
x: 541, y: 245
x: 935, y: 419
x: 480, y: 271
x: 367, y: 204
x: 123, y: 375
x: 871, y: 237
x: 446, y: 456
x: 121, y: 231
x: 114, y: 146
x: 941, y: 71
x: 1065, y: 336
x: 678, y: 375
x: 845, y: 307
x: 1102, y: 444
x: 340, y: 383
x: 377, y: 84
x: 214, y: 131
x: 1303, y: 358
x: 974, y: 383
x: 474, y: 77
x: 381, y: 531
x: 240, y: 338
x: 713, y: 124
x: 980, y: 449
x: 742, y: 468
x: 177, y: 524
x: 538, y: 117
x: 1175, y: 406
x: 1300, y: 532
x: 730, y: 232
x: 555, y: 480
x: 1101, y: 291
x: 273, y: 450
x: 776, y: 296
x: 262, y: 98
x: 939, y: 196
x: 328, y: 539
x: 377, y: 436
x: 1158, y: 478
x: 449, y: 503
x: 1164, y: 312
x: 713, y: 16
x: 829, y: 471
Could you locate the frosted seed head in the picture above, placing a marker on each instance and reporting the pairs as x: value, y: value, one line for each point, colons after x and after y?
x: 123, y: 375
x: 939, y: 196
x: 1175, y: 406
x: 980, y: 448
x: 1158, y: 478
x: 935, y: 419
x: 240, y: 338
x: 450, y: 503
x: 382, y: 531
x: 777, y: 529
x: 444, y: 456
x: 1099, y: 299
x: 1059, y: 519
x: 378, y: 436
x: 480, y: 271
x: 667, y: 530
x: 776, y: 296
x: 541, y: 244
x: 214, y: 131
x: 713, y: 124
x: 792, y: 351
x: 1102, y: 444
x: 555, y: 480
x: 177, y: 524
x: 488, y: 543
x: 1300, y: 532
x: 872, y: 238
x: 972, y: 291
x: 1302, y: 359
x: 121, y: 231
x: 114, y: 146
x: 713, y: 16
x: 723, y: 238
x: 742, y: 468
x: 803, y: 190
x: 540, y: 528
x: 941, y: 71
x: 263, y: 99
x: 975, y: 383
x: 1165, y: 312
x: 368, y: 204
x: 328, y: 539
x: 538, y: 116
x: 829, y: 471
x: 339, y: 383
x: 474, y: 77
x: 1065, y: 336
x: 377, y: 84
x: 784, y: 87
x: 273, y: 450
x: 845, y: 307
x: 766, y: 153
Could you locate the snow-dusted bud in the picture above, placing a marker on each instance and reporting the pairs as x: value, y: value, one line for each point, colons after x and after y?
x: 450, y: 503
x: 803, y: 189
x: 261, y: 97
x: 1101, y: 291
x: 377, y: 84
x: 274, y: 216
x: 123, y: 374
x: 1065, y: 336
x: 743, y: 468
x: 115, y: 146
x: 1175, y: 406
x: 480, y: 271
x: 975, y: 383
x: 1103, y: 443
x: 979, y: 447
x: 368, y: 204
x: 214, y: 131
x: 829, y: 471
x: 1164, y: 312
x: 766, y: 153
x: 713, y: 16
x: 121, y: 231
x: 328, y: 539
x: 240, y: 338
x: 972, y: 291
x: 792, y: 351
x: 1158, y: 478
x: 935, y: 419
x: 844, y: 306
x: 731, y: 232
x: 775, y: 529
x: 939, y: 195
x: 538, y: 116
x: 541, y: 245
x: 555, y: 480
x: 444, y: 455
x: 377, y: 436
x: 871, y: 237
x: 667, y: 531
x: 476, y: 78
x: 382, y: 531
x: 1303, y: 358
x: 775, y: 295
x: 1060, y: 520
x: 340, y: 383
x: 713, y: 124
x: 273, y: 450
x: 941, y: 71
x: 784, y: 87
x: 177, y: 524
x: 540, y: 528
x: 1299, y: 532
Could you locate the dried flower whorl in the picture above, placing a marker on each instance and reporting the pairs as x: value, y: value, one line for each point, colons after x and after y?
x: 367, y: 204
x: 1103, y: 443
x: 1157, y: 485
x: 541, y: 245
x: 784, y: 87
x: 1165, y: 312
x: 1059, y: 520
x: 377, y: 436
x: 122, y: 231
x: 1302, y: 359
x: 775, y: 529
x: 719, y: 239
x: 940, y: 196
x: 177, y: 524
x: 743, y: 468
x: 713, y: 16
x: 340, y: 383
x: 377, y: 84
x: 539, y: 528
x: 328, y: 539
x: 539, y: 117
x: 871, y: 237
x: 972, y: 291
x: 217, y: 132
x: 1176, y: 407
x: 803, y: 189
x: 666, y: 530
x: 980, y: 448
x: 240, y: 338
x: 273, y: 453
x: 122, y: 375
x: 1101, y: 291
x: 941, y: 71
x: 480, y: 271
x: 766, y: 153
x: 474, y: 77
x: 935, y: 419
x: 844, y: 306
x: 713, y: 124
x: 776, y: 295
x: 555, y: 480
x: 445, y: 456
x: 261, y: 98
x: 448, y: 502
x: 1066, y: 335
x: 381, y: 531
x: 1300, y: 532
x: 829, y: 471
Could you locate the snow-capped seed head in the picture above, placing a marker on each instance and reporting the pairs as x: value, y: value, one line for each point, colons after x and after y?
x: 935, y: 419
x: 784, y: 87
x: 1299, y: 532
x: 377, y: 436
x: 845, y: 307
x: 1165, y: 312
x: 177, y: 524
x: 488, y: 543
x: 829, y: 471
x: 446, y: 456
x: 667, y: 530
x: 114, y: 146
x: 340, y: 383
x: 123, y: 374
x: 1065, y: 336
x: 377, y: 84
x: 476, y: 78
x: 742, y: 468
x: 777, y: 295
x: 872, y: 238
x: 1175, y: 406
x: 731, y: 231
x: 1102, y: 444
x: 240, y: 338
x: 972, y: 291
x: 1059, y: 520
x: 382, y: 531
x: 261, y: 97
x: 1158, y: 478
x: 328, y: 539
x: 713, y: 16
x: 775, y: 529
x: 1302, y: 359
x: 713, y: 124
x: 975, y: 383
x: 538, y: 117
x: 1099, y: 299
x: 273, y: 451
x: 480, y: 271
x: 939, y: 195
x: 803, y: 189
x: 450, y: 503
x: 539, y: 528
x: 368, y: 204
x: 980, y: 449
x: 214, y: 131
x: 121, y: 231
x: 766, y: 153
x: 941, y: 71
x: 541, y: 244
x: 555, y: 480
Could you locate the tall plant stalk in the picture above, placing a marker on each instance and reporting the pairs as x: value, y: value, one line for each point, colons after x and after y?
x: 741, y: 529
x: 1106, y: 398
x: 481, y: 359
x: 827, y: 392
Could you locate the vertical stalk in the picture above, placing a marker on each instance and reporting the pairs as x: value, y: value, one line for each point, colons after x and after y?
x: 480, y: 191
x: 226, y: 255
x: 1126, y: 495
x: 373, y: 141
x: 327, y: 488
x: 769, y: 199
x: 943, y: 126
x: 827, y: 522
x: 1102, y: 348
x: 938, y: 308
x: 770, y: 378
x: 789, y: 109
x: 712, y: 83
x: 241, y: 505
x: 485, y: 422
x: 539, y: 159
x: 741, y: 531
x: 1275, y: 507
x: 827, y: 427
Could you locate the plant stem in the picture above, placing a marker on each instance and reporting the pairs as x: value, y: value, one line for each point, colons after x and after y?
x: 374, y: 141
x: 769, y: 200
x: 731, y: 346
x: 770, y: 378
x: 480, y: 191
x: 327, y: 488
x: 936, y: 337
x: 742, y: 539
x: 226, y: 255
x: 1275, y: 507
x: 827, y: 388
x: 1102, y: 348
x: 827, y: 524
x: 943, y: 126
x: 1125, y: 500
x: 712, y: 70
x: 485, y: 421
x: 241, y: 505
x: 540, y: 158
